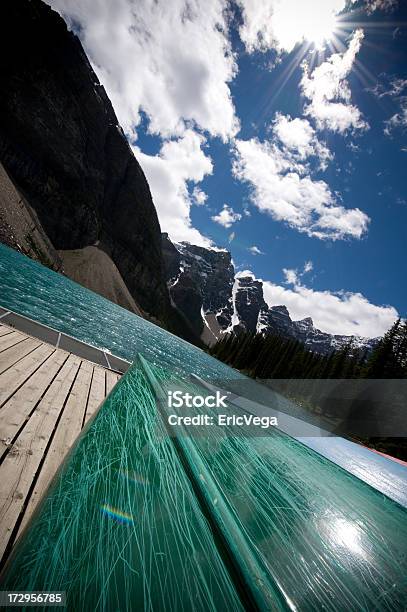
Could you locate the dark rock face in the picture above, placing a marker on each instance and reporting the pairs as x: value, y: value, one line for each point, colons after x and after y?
x: 249, y: 301
x: 62, y: 146
x: 172, y: 258
x: 186, y: 295
x: 198, y: 279
x: 213, y: 272
x: 275, y: 319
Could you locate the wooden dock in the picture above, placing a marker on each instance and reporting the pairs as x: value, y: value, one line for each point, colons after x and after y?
x: 46, y: 397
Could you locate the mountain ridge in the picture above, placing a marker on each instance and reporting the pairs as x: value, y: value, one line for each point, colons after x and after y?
x: 226, y: 302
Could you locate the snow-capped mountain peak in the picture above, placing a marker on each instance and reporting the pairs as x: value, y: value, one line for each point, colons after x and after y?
x: 216, y: 300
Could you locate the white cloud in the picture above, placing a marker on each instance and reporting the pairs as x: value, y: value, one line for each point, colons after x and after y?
x: 167, y: 173
x: 328, y: 91
x: 227, y: 216
x: 257, y: 31
x: 389, y: 85
x: 395, y: 88
x: 398, y: 120
x: 199, y: 196
x: 334, y: 313
x: 299, y: 137
x: 291, y: 276
x: 281, y: 187
x: 308, y: 267
x: 353, y: 147
x: 172, y: 60
x: 244, y: 273
x: 280, y: 24
x: 254, y: 250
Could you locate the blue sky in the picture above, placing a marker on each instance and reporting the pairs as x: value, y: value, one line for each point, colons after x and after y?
x: 275, y: 135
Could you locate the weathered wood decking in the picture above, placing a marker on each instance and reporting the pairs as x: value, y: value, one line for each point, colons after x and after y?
x: 46, y: 397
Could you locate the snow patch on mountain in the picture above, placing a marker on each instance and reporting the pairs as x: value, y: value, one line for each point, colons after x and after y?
x: 234, y: 321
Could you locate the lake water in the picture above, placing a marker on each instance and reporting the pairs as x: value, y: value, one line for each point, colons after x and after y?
x: 30, y: 289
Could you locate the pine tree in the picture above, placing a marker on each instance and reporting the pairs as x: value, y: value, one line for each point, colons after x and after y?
x: 273, y: 356
x: 386, y: 360
x: 340, y: 361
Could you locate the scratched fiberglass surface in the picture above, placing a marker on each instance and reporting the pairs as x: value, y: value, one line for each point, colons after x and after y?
x: 323, y: 538
x: 120, y: 528
x: 33, y: 290
x: 213, y: 521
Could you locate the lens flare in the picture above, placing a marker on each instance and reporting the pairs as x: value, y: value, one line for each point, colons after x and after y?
x: 116, y: 514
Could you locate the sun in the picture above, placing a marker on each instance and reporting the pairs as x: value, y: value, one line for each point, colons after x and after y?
x: 295, y: 22
x: 320, y: 30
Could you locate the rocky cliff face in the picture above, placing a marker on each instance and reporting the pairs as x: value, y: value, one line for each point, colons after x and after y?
x: 203, y: 285
x: 248, y: 303
x: 62, y: 147
x: 200, y: 281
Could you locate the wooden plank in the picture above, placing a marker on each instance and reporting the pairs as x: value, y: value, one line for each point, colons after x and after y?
x: 17, y: 374
x: 21, y: 464
x: 111, y: 380
x: 5, y: 330
x: 11, y: 339
x: 97, y: 392
x: 65, y: 435
x: 17, y: 409
x: 17, y: 352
